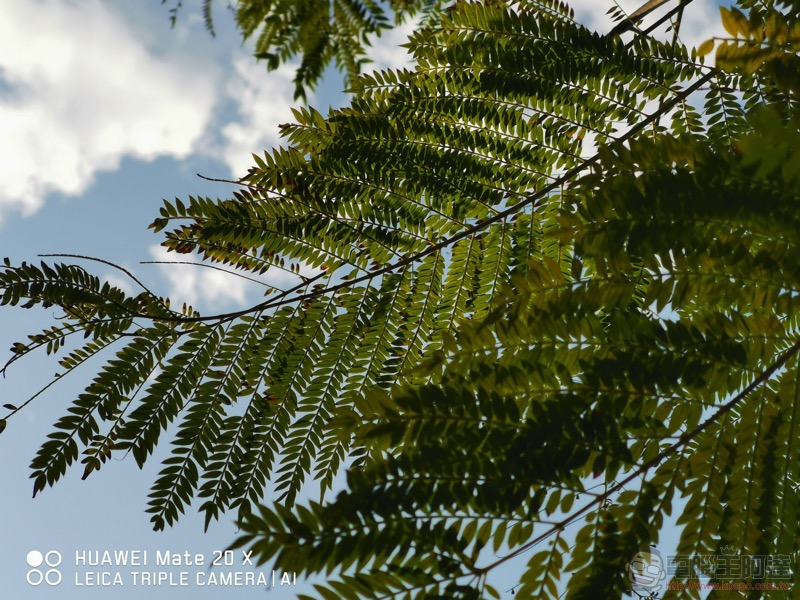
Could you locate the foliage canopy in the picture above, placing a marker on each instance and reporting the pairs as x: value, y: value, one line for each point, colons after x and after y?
x: 319, y: 31
x: 556, y: 281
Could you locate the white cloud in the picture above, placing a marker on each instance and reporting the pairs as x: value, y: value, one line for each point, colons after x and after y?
x: 263, y: 101
x: 82, y: 90
x: 209, y: 288
x: 386, y: 52
x: 198, y: 286
x: 121, y: 282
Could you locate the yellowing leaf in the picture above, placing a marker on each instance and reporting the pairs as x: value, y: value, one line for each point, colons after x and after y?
x: 734, y: 21
x: 705, y: 47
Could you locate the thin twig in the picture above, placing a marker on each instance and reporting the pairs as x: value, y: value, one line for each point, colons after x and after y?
x: 226, y: 271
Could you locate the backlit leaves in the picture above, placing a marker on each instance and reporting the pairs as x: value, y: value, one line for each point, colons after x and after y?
x: 543, y: 283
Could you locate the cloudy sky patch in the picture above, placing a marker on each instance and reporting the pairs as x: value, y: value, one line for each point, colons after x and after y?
x: 80, y: 91
x: 262, y: 101
x: 196, y: 285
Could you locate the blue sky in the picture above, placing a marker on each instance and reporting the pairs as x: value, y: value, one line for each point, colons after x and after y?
x: 105, y: 111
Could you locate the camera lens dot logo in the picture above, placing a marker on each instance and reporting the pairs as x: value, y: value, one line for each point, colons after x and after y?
x: 51, y: 576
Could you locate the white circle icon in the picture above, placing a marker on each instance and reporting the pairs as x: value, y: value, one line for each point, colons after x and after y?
x: 35, y: 577
x: 35, y: 558
x: 53, y: 577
